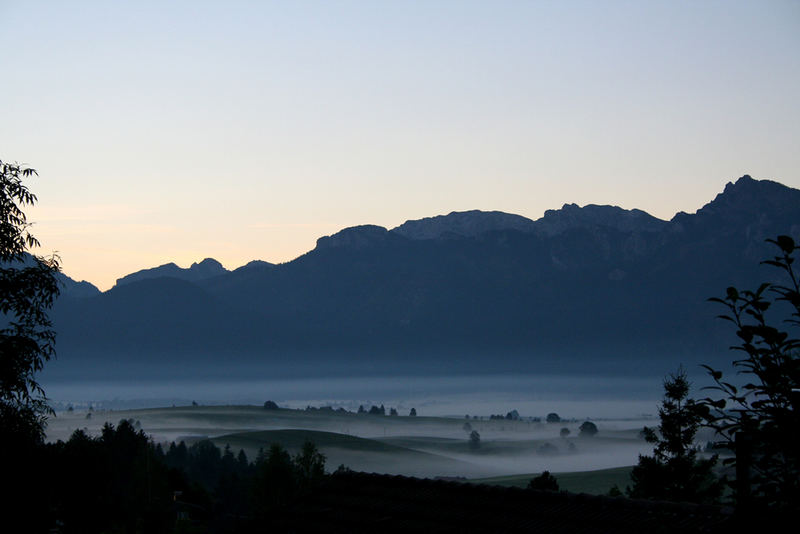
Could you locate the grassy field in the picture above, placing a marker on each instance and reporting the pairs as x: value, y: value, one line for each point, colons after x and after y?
x: 594, y: 482
x: 357, y: 453
x: 416, y: 446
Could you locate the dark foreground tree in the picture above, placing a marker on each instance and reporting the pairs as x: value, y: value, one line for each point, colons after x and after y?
x: 545, y: 481
x: 275, y: 481
x: 28, y: 288
x: 674, y: 473
x: 759, y: 420
x: 310, y: 464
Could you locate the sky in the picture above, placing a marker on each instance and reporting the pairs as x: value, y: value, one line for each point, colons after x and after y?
x: 246, y: 130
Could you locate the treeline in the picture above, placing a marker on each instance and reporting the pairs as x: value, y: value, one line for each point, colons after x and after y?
x: 120, y: 481
x: 373, y: 409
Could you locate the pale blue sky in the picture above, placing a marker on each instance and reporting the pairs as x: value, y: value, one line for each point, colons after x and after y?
x: 245, y: 130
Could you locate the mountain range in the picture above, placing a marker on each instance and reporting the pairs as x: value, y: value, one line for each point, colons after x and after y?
x: 594, y: 288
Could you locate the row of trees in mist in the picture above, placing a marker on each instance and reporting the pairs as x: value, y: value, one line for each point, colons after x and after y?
x: 373, y: 409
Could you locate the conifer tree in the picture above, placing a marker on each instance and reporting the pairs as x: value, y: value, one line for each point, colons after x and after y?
x: 674, y: 472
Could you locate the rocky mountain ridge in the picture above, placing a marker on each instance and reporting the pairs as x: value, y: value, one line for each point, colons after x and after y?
x: 734, y: 201
x: 599, y: 288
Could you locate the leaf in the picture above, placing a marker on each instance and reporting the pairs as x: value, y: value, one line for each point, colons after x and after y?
x: 716, y: 375
x: 763, y: 287
x: 761, y: 305
x: 786, y: 243
x: 746, y: 335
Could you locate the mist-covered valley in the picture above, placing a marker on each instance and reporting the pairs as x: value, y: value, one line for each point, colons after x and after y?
x: 358, y: 267
x: 428, y: 446
x: 508, y: 412
x: 581, y: 313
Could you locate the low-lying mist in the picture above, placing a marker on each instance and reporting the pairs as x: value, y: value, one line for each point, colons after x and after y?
x: 531, y: 395
x: 508, y: 412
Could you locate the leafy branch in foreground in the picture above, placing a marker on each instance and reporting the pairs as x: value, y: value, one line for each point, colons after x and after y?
x: 760, y: 419
x: 28, y: 288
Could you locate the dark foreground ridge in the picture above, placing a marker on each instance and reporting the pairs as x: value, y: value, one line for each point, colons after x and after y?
x: 363, y: 502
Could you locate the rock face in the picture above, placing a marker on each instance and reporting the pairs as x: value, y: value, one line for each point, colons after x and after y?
x: 207, y: 268
x: 572, y: 216
x: 464, y: 224
x: 596, y: 287
x: 751, y: 197
x: 355, y: 237
x: 749, y: 204
x: 569, y: 217
x: 78, y: 290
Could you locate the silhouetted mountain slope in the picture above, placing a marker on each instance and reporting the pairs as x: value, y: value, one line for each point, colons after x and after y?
x: 71, y: 288
x: 464, y: 224
x: 147, y: 320
x: 596, y: 288
x: 572, y: 216
x: 207, y: 268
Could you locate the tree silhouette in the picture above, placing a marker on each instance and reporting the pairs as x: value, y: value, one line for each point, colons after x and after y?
x: 545, y: 481
x: 587, y: 429
x: 474, y: 440
x: 310, y: 463
x: 276, y: 481
x: 760, y: 420
x: 28, y: 288
x: 674, y: 472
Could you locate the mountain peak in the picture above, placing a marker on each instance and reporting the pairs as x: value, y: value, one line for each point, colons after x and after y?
x: 257, y: 264
x: 207, y: 268
x: 571, y: 216
x: 206, y: 262
x: 463, y: 223
x: 75, y: 288
x: 353, y: 237
x: 741, y: 182
x: 747, y: 195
